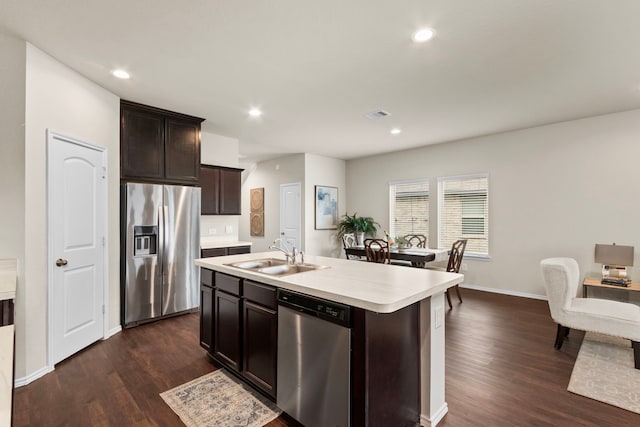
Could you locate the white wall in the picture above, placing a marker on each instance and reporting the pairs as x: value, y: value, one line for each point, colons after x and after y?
x: 554, y: 190
x: 320, y: 170
x: 12, y: 158
x: 220, y: 151
x: 59, y: 99
x: 269, y: 175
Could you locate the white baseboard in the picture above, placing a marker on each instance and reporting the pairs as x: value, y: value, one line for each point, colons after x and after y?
x: 437, y: 416
x: 111, y: 332
x: 19, y: 382
x: 505, y: 292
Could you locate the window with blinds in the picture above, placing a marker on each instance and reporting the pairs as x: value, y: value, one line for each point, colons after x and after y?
x: 409, y: 208
x: 463, y: 212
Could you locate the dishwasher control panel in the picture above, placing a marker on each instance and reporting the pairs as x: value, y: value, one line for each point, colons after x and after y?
x: 327, y: 310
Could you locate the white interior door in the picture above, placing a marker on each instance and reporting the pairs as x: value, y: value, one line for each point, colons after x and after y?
x: 290, y: 214
x: 77, y: 199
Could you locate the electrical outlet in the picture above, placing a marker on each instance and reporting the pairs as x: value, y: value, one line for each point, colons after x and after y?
x: 228, y: 229
x: 213, y: 231
x: 463, y: 267
x: 438, y: 317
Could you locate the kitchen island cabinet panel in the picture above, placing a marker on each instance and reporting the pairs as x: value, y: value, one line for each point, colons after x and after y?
x: 206, y: 316
x: 260, y: 346
x: 227, y: 329
x: 385, y: 363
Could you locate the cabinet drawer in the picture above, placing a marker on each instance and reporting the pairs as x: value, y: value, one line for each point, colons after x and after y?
x: 206, y: 253
x: 227, y: 283
x: 239, y: 250
x: 206, y: 277
x: 259, y: 293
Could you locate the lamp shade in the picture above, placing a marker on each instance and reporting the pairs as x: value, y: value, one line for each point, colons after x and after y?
x: 614, y: 255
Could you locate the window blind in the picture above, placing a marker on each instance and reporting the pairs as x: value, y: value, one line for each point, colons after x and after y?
x: 463, y: 212
x: 409, y: 208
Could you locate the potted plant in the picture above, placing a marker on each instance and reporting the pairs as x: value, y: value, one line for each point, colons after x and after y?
x: 402, y: 243
x: 358, y: 225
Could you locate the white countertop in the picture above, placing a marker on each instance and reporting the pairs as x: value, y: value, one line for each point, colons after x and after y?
x: 212, y: 244
x: 381, y: 288
x: 6, y: 374
x: 8, y: 278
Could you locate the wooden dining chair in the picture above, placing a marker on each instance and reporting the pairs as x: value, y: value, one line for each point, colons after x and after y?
x: 377, y: 250
x: 453, y: 266
x: 416, y: 240
x: 348, y: 241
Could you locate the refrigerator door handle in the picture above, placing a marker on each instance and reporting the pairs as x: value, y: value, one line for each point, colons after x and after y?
x: 167, y: 243
x: 161, y: 235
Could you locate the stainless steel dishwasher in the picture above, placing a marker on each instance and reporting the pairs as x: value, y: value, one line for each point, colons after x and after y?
x: 314, y: 352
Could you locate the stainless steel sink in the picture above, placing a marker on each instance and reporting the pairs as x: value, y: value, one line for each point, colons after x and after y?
x: 286, y: 269
x: 257, y: 263
x: 275, y: 267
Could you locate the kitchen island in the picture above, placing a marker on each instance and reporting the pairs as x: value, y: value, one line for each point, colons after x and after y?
x: 397, y: 336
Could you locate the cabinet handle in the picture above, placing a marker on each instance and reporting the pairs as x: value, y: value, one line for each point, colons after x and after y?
x: 60, y: 262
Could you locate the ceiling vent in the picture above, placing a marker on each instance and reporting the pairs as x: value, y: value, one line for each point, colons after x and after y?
x: 377, y: 114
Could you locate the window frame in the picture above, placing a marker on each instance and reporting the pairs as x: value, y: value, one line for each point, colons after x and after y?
x: 392, y: 184
x: 441, y: 195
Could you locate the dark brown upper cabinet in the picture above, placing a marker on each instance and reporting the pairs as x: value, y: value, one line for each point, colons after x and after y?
x: 158, y: 145
x: 221, y: 190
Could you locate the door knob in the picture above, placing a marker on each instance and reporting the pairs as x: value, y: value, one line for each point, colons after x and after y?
x: 60, y: 262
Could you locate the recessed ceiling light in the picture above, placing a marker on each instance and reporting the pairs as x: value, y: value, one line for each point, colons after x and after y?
x: 423, y: 35
x: 254, y: 112
x: 121, y: 74
x: 395, y: 131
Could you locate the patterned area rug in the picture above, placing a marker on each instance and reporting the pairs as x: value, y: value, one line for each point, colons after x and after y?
x: 604, y: 371
x: 218, y: 399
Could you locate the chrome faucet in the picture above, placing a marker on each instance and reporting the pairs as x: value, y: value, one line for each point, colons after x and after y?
x: 291, y: 257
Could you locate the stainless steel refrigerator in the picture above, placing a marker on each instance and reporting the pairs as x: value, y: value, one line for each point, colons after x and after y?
x: 160, y: 238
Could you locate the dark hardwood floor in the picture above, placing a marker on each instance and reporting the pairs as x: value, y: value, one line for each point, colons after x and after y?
x: 502, y: 370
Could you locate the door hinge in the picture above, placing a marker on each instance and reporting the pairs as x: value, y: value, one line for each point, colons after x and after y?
x: 104, y: 172
x: 104, y: 242
x: 102, y: 308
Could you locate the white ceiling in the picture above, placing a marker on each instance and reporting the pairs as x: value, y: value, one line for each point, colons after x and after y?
x: 317, y: 67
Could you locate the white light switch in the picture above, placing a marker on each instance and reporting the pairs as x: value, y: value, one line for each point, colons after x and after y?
x: 438, y: 317
x: 228, y: 229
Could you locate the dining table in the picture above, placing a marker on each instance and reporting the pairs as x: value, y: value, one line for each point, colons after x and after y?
x: 418, y: 257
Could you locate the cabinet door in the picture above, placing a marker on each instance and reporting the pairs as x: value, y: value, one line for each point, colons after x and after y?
x: 260, y: 343
x: 141, y: 144
x: 206, y: 317
x: 230, y: 188
x: 210, y: 196
x: 227, y: 329
x: 182, y: 151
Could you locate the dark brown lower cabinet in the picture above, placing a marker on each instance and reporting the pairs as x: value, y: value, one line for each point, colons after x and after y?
x: 232, y: 250
x: 385, y: 368
x: 260, y: 346
x: 227, y: 329
x: 206, y: 309
x: 206, y: 317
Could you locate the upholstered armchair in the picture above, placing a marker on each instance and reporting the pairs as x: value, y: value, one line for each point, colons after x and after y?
x: 621, y: 319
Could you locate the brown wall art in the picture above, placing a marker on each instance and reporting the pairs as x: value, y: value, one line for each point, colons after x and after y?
x: 256, y: 217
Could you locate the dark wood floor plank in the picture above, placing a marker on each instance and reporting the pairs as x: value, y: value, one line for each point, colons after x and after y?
x: 501, y: 370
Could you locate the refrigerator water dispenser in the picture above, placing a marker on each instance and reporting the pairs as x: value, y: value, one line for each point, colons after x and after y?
x: 145, y: 239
